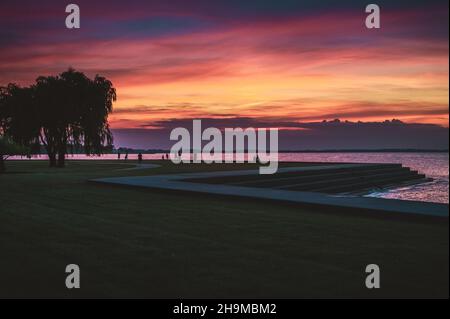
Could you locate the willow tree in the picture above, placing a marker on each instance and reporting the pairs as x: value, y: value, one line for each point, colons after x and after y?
x: 61, y: 112
x: 14, y: 103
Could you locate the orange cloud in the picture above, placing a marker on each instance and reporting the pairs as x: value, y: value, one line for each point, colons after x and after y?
x: 318, y: 67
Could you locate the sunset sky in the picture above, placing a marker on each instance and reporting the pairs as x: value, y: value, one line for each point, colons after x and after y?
x: 271, y: 61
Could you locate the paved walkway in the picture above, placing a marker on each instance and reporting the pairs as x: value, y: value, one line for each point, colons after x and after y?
x: 176, y: 182
x: 139, y: 166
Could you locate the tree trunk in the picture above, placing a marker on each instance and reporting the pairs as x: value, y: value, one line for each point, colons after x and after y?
x: 2, y: 165
x: 62, y: 148
x: 52, y: 159
x: 61, y: 159
x: 47, y: 141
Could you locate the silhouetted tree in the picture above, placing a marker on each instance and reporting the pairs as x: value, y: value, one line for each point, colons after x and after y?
x: 14, y: 101
x: 67, y: 110
x: 18, y: 118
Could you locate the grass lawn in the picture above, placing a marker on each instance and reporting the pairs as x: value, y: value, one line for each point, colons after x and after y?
x: 149, y: 243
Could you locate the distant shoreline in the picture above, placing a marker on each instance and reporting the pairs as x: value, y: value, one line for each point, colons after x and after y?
x: 132, y: 151
x: 369, y: 151
x: 157, y: 151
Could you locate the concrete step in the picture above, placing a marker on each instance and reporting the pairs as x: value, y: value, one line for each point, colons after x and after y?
x: 325, y: 179
x: 313, y: 172
x: 299, y: 179
x: 370, y: 184
x: 347, y: 180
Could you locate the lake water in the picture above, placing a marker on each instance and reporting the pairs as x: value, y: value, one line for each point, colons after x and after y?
x: 434, y: 165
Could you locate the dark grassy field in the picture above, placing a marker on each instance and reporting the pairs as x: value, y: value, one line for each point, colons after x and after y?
x: 147, y: 243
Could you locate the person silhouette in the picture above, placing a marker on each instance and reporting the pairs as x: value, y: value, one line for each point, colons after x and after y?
x: 118, y: 155
x: 126, y: 155
x: 140, y: 157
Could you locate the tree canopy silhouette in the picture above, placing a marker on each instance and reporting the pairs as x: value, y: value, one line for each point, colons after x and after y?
x: 59, y: 112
